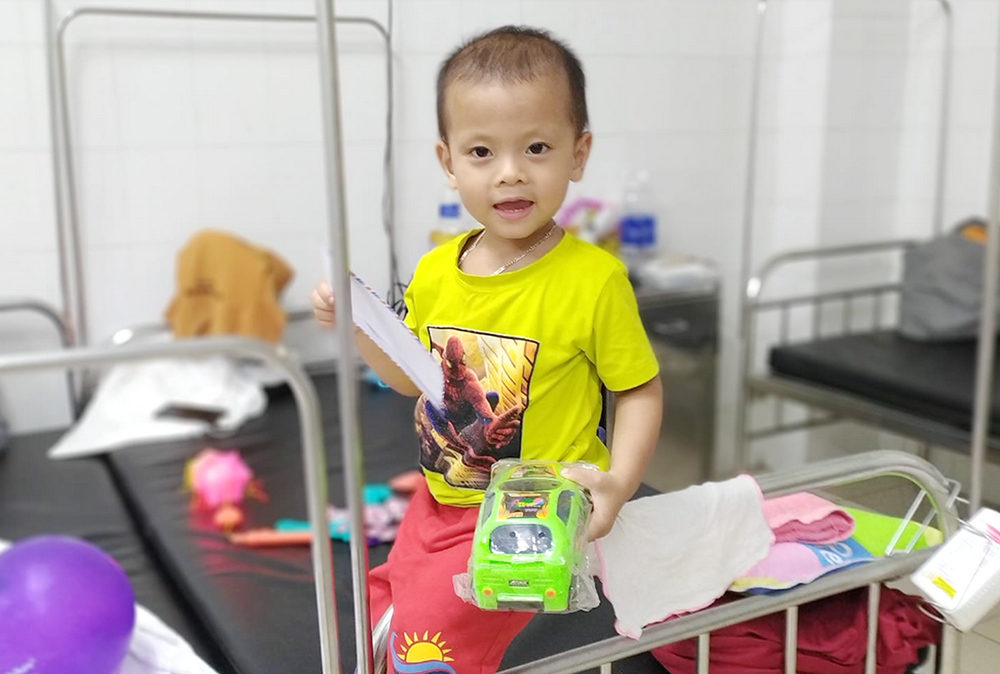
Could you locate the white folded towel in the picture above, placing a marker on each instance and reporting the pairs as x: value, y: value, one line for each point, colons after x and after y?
x: 678, y: 552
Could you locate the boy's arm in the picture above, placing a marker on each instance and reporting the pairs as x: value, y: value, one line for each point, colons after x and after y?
x: 638, y: 413
x: 384, y: 366
x: 323, y: 309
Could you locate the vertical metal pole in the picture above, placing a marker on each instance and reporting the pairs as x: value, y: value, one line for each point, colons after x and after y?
x: 311, y: 422
x: 791, y: 639
x: 348, y: 386
x: 704, y: 660
x: 948, y: 652
x: 942, y: 158
x: 871, y: 650
x: 746, y: 260
x: 71, y: 212
x: 987, y: 319
x: 58, y: 167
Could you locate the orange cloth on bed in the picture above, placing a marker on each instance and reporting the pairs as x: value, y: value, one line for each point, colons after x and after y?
x: 227, y: 286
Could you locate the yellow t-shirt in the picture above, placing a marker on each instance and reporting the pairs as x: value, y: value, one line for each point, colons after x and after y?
x: 524, y: 354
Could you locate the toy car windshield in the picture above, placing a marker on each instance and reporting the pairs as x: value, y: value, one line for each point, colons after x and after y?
x: 513, y: 539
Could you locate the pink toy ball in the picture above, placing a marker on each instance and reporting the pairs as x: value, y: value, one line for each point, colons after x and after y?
x: 66, y: 607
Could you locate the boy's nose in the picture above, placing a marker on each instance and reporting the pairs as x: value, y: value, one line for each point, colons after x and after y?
x: 510, y: 172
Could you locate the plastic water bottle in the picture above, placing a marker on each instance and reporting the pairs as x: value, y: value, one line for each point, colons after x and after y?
x: 450, y: 212
x: 639, y: 223
x: 450, y: 220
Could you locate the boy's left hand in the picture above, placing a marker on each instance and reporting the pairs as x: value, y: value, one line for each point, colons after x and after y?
x: 609, y: 494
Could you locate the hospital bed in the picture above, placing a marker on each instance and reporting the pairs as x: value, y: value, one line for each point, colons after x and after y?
x: 834, y: 353
x: 81, y: 499
x: 849, y: 361
x: 255, y: 611
x: 837, y: 354
x: 251, y: 611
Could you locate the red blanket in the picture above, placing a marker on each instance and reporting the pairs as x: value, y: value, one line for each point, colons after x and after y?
x: 832, y: 639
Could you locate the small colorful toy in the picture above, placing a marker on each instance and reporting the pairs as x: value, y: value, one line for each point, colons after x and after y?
x: 65, y: 606
x: 219, y: 481
x: 531, y: 538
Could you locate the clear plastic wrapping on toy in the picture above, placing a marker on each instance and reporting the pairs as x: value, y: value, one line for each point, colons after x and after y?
x: 530, y: 547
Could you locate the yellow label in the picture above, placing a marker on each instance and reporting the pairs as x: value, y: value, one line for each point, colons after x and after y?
x: 944, y: 585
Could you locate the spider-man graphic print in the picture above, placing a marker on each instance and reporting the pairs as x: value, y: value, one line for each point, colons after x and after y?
x: 487, y: 378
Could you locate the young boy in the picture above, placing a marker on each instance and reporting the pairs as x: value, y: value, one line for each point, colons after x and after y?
x: 528, y: 322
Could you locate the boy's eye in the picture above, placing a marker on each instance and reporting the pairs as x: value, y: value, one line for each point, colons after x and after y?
x: 481, y: 152
x: 537, y: 148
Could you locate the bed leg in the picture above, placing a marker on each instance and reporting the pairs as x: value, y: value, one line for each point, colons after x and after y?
x: 380, y: 643
x: 948, y: 652
x: 703, y: 654
x: 874, y: 595
x: 791, y: 639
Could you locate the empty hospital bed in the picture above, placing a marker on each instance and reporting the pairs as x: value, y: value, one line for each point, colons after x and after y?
x: 847, y: 362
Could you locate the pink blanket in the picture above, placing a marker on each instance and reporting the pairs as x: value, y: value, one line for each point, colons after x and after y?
x: 807, y: 518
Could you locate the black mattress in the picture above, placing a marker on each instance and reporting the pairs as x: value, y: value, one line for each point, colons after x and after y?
x: 935, y: 381
x: 259, y: 605
x: 78, y: 498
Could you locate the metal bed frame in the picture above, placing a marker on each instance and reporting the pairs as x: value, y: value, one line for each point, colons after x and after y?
x: 49, y: 313
x: 72, y: 287
x: 836, y: 403
x: 72, y: 284
x: 932, y: 484
x: 938, y: 490
x: 310, y: 420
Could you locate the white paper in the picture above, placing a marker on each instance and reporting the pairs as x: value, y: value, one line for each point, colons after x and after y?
x: 377, y: 320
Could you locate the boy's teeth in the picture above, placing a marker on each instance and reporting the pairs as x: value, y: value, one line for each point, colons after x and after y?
x: 514, y: 205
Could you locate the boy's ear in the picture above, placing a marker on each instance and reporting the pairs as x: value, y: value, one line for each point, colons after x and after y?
x: 581, y: 151
x: 444, y: 156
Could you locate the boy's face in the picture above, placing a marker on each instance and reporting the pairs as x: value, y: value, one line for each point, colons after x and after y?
x: 512, y: 151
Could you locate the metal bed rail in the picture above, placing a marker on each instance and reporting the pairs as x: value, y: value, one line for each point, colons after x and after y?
x: 141, y: 332
x: 750, y: 176
x: 310, y: 420
x: 63, y: 158
x: 850, y: 302
x: 932, y: 486
x: 49, y: 313
x: 71, y: 263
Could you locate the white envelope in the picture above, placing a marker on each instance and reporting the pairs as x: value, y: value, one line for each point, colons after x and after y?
x: 383, y: 326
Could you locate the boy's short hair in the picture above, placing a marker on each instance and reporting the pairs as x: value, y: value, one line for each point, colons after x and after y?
x: 514, y: 54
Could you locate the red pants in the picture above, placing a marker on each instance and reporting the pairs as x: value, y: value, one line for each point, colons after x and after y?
x: 432, y: 630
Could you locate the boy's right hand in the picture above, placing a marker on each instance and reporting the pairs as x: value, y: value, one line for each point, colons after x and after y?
x: 322, y: 302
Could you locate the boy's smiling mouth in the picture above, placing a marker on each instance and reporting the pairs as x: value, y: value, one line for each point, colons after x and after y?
x: 513, y: 209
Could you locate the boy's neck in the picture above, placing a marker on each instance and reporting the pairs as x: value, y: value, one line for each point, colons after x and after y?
x: 488, y: 254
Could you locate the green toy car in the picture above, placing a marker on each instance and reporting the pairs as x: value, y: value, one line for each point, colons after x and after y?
x: 530, y: 538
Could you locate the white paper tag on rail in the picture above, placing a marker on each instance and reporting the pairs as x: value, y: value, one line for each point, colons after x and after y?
x: 962, y: 579
x: 377, y: 320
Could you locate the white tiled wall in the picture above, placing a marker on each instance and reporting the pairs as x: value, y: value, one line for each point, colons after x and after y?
x: 183, y: 125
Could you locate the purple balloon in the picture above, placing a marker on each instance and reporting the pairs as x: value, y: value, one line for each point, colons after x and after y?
x: 66, y: 607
